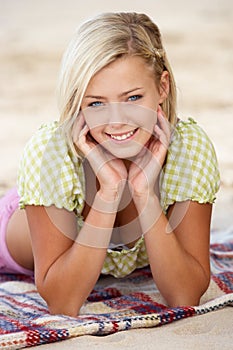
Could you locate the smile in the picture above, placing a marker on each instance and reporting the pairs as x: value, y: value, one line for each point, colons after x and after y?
x: 123, y: 137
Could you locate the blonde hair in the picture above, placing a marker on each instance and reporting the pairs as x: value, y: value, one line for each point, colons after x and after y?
x: 97, y: 43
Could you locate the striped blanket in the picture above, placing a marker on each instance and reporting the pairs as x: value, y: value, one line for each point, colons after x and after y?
x: 114, y: 305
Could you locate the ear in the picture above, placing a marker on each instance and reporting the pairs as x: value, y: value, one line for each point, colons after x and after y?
x: 164, y: 86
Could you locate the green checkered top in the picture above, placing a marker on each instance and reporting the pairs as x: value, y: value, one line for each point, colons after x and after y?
x: 49, y: 174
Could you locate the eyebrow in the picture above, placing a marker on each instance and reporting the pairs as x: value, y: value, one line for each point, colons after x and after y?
x: 94, y: 96
x: 129, y: 91
x: 122, y: 94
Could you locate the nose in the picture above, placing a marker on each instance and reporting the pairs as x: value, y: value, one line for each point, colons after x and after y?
x: 117, y: 115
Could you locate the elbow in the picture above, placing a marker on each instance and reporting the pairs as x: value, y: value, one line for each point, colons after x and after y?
x: 61, y: 309
x: 63, y: 306
x: 58, y: 303
x: 187, y: 297
x: 183, y: 300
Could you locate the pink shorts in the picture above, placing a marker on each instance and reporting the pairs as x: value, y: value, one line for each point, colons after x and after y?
x: 8, y: 204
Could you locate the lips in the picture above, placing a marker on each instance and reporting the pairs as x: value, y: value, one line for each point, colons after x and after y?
x: 123, y: 136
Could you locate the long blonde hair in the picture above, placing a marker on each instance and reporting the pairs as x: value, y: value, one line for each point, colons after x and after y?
x: 100, y: 41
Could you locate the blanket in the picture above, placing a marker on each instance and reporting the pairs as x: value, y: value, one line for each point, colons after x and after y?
x: 114, y: 305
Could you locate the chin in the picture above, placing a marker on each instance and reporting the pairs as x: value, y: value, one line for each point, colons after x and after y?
x: 125, y: 153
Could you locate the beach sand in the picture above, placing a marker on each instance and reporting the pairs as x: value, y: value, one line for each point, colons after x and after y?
x: 199, y: 42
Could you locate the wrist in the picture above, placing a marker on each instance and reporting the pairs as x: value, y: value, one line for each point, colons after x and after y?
x: 94, y: 236
x: 142, y: 200
x: 112, y: 194
x: 149, y: 211
x: 106, y: 202
x: 108, y: 195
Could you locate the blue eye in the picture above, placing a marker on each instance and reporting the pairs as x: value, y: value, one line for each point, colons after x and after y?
x: 134, y: 97
x: 95, y: 104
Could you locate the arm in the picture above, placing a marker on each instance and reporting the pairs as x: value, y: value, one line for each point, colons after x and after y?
x: 66, y: 271
x: 179, y: 259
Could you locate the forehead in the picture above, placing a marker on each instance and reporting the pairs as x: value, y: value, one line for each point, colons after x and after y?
x: 124, y: 73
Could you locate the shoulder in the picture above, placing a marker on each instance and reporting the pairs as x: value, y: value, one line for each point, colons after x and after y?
x: 190, y: 143
x: 36, y: 145
x: 43, y: 135
x: 45, y: 145
x: 49, y: 174
x: 190, y: 134
x: 191, y: 170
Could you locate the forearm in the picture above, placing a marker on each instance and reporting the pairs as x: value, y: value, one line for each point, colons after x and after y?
x: 179, y: 276
x: 73, y: 275
x: 71, y: 278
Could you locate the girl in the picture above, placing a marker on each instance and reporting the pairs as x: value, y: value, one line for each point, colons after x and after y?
x: 119, y: 182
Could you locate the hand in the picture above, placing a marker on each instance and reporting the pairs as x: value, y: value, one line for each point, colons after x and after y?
x: 145, y: 169
x: 110, y: 171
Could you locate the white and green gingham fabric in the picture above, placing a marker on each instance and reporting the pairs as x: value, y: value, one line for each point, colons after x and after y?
x: 191, y: 170
x: 49, y: 174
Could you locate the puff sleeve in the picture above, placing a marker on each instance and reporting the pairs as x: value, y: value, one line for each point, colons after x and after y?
x: 49, y: 174
x: 191, y: 170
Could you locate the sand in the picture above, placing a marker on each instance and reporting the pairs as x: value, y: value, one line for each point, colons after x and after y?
x: 199, y: 42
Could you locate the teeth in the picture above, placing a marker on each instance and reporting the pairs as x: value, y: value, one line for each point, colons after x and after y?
x: 122, y: 137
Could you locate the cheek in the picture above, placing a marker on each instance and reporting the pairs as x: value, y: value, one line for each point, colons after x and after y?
x: 96, y: 120
x: 97, y: 133
x: 146, y: 118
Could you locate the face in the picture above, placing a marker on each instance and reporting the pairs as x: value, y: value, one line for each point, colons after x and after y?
x: 120, y: 105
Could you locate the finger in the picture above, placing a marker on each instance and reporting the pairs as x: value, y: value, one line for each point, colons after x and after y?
x: 80, y: 137
x: 83, y: 133
x: 142, y: 159
x: 97, y: 157
x: 164, y: 123
x: 163, y: 133
x: 77, y: 127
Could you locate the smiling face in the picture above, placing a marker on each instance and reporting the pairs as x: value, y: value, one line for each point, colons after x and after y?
x: 120, y: 105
